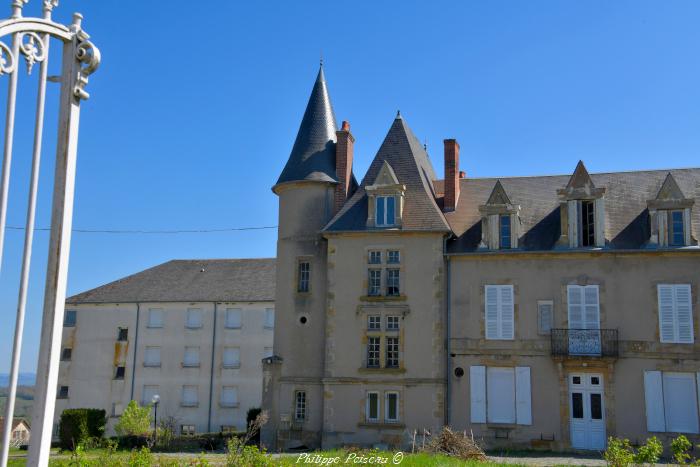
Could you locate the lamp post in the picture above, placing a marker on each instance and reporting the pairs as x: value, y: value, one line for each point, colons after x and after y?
x: 155, y: 400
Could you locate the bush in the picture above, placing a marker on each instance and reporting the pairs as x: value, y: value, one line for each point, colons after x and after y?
x: 650, y: 452
x: 77, y: 426
x: 680, y: 447
x: 619, y: 452
x: 240, y: 455
x: 134, y: 421
x: 141, y: 458
x: 249, y: 419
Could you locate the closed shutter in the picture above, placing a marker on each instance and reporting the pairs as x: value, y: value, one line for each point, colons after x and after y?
x: 499, y: 314
x: 686, y: 226
x: 494, y: 234
x: 684, y: 314
x: 575, y: 301
x: 680, y: 402
x: 662, y: 219
x: 599, y: 222
x: 591, y: 310
x: 500, y: 395
x: 654, y: 401
x: 523, y: 398
x: 572, y: 211
x: 507, y: 313
x: 477, y: 390
x: 491, y: 313
x: 666, y: 321
x: 675, y: 313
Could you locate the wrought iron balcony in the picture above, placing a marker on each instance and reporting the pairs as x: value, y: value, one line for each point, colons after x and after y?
x: 584, y: 342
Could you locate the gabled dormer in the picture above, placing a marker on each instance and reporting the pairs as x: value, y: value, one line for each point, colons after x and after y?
x: 500, y: 221
x: 670, y: 214
x: 582, y: 207
x: 385, y: 199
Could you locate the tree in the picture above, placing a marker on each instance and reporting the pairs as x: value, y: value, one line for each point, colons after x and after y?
x: 135, y: 420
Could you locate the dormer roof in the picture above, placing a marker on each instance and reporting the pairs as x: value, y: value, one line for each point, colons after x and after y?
x: 670, y: 190
x: 498, y: 195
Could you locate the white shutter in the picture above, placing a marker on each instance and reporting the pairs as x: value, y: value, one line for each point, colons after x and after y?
x: 523, y: 398
x: 575, y: 302
x: 686, y: 226
x: 662, y: 218
x: 654, y: 401
x: 477, y: 390
x: 684, y: 313
x: 500, y: 395
x: 233, y: 318
x: 494, y: 234
x: 599, y: 213
x: 680, y: 402
x: 592, y: 311
x: 667, y: 331
x: 514, y: 230
x: 491, y: 312
x: 506, y: 312
x: 572, y: 207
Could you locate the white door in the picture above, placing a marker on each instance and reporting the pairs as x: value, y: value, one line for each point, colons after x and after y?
x: 584, y: 320
x: 587, y: 411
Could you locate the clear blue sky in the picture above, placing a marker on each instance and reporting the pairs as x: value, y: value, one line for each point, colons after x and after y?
x: 196, y: 105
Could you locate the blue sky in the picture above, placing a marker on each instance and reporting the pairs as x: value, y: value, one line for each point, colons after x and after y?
x: 196, y: 105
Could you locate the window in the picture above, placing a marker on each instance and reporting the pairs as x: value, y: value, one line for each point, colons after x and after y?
x: 229, y: 396
x: 374, y: 322
x: 70, y: 318
x: 187, y: 430
x: 392, y: 352
x: 545, y: 316
x: 499, y: 312
x: 391, y: 406
x: 676, y: 233
x: 393, y: 257
x: 191, y: 357
x: 268, y: 352
x: 62, y: 392
x: 586, y: 224
x: 269, y: 318
x: 671, y: 400
x: 123, y: 334
x: 189, y: 396
x: 116, y: 409
x: 304, y: 276
x: 373, y: 352
x: 392, y: 282
x: 385, y: 207
x: 372, y: 408
x: 675, y: 313
x: 155, y: 318
x: 500, y: 395
x: 233, y: 318
x: 67, y: 354
x: 228, y: 429
x: 119, y: 373
x: 300, y: 406
x: 148, y: 392
x: 504, y: 231
x: 232, y: 357
x: 151, y: 356
x: 194, y: 318
x: 374, y: 287
x: 375, y: 257
x: 392, y: 323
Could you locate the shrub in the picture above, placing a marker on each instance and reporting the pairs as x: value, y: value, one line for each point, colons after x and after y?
x: 619, y: 452
x: 77, y: 426
x: 134, y: 421
x: 650, y: 452
x: 680, y: 447
x: 240, y: 455
x: 250, y: 418
x: 141, y: 458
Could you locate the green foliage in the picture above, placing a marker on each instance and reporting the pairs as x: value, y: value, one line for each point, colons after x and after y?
x: 680, y: 447
x: 650, y: 452
x: 619, y: 452
x: 141, y: 458
x: 134, y: 421
x: 240, y: 455
x: 77, y: 426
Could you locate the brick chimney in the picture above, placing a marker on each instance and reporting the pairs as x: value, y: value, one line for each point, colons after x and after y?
x: 452, y: 174
x: 343, y: 164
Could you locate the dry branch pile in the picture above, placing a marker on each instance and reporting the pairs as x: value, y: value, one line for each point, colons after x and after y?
x: 455, y: 444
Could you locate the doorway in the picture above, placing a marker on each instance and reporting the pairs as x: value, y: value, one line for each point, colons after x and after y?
x: 587, y: 411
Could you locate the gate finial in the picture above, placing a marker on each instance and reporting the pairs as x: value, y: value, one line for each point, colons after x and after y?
x: 49, y: 5
x: 17, y: 7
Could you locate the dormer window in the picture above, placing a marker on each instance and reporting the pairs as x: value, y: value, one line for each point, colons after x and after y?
x: 504, y: 222
x: 385, y: 211
x: 582, y: 211
x: 500, y: 221
x: 586, y: 223
x: 670, y: 215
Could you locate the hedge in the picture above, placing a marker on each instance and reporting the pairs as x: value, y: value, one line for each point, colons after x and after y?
x: 78, y: 425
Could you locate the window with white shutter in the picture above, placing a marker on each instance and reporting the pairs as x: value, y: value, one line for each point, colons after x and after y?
x: 233, y: 318
x: 499, y: 312
x: 229, y: 396
x: 151, y: 356
x: 500, y: 395
x: 232, y: 357
x: 584, y: 307
x: 269, y: 318
x: 671, y: 401
x: 155, y: 318
x: 477, y: 389
x: 189, y: 396
x: 194, y: 318
x: 675, y: 313
x: 191, y: 357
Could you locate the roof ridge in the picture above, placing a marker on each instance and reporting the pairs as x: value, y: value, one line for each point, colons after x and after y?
x: 442, y: 180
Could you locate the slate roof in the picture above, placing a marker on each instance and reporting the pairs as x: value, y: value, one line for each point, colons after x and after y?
x: 313, y: 153
x: 196, y: 280
x: 15, y: 422
x: 412, y: 167
x: 627, y: 219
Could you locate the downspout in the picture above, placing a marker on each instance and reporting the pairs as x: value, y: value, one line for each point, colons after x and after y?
x: 448, y: 358
x: 211, y: 372
x: 136, y: 346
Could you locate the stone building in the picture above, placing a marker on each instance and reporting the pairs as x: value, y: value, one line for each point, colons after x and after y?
x: 543, y: 312
x: 193, y: 332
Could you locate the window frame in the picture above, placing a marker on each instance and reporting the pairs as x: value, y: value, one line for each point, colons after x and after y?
x: 300, y: 406
x: 387, y: 407
x: 374, y: 284
x: 396, y: 254
x: 189, y: 389
x: 63, y: 394
x: 197, y: 323
x: 231, y: 348
x: 374, y: 257
x: 148, y: 351
x: 501, y: 243
x: 396, y: 319
x: 368, y: 402
x: 586, y: 223
x: 383, y: 201
x: 230, y: 320
x: 374, y: 354
x: 500, y: 320
x: 224, y: 403
x: 671, y: 227
x: 188, y: 430
x: 393, y: 284
x: 303, y: 276
x: 68, y: 358
x: 392, y: 351
x: 123, y: 372
x: 155, y: 324
x: 70, y: 322
x: 675, y: 314
x: 269, y: 318
x: 123, y: 335
x: 191, y: 350
x: 543, y: 303
x: 374, y: 322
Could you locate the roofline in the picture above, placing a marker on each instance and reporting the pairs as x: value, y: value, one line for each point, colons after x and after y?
x: 397, y: 231
x: 569, y: 174
x: 693, y: 250
x: 136, y: 302
x: 288, y: 183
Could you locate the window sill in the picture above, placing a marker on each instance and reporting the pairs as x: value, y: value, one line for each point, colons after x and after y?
x: 193, y: 328
x: 383, y: 298
x: 269, y: 327
x: 232, y: 328
x: 229, y: 406
x: 151, y: 365
x: 231, y: 367
x: 390, y: 371
x: 190, y: 365
x: 382, y: 425
x: 188, y: 404
x: 154, y: 327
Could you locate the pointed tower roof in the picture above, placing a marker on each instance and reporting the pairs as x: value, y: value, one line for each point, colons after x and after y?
x: 405, y: 155
x: 313, y: 154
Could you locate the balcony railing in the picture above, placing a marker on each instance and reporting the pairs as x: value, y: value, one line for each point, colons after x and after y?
x: 585, y: 342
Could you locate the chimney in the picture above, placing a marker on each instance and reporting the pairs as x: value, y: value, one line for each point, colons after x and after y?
x: 343, y: 164
x: 452, y: 174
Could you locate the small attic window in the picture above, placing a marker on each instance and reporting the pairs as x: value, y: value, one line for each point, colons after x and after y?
x: 385, y: 210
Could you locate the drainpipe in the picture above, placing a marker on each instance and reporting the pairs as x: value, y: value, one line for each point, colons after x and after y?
x: 211, y: 372
x: 136, y: 346
x: 448, y: 358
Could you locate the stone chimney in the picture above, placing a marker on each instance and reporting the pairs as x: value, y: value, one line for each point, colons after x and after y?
x: 343, y: 164
x: 452, y: 174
